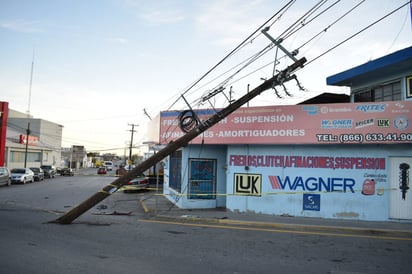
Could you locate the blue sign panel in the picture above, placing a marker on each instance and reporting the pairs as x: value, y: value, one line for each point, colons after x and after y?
x: 311, y: 202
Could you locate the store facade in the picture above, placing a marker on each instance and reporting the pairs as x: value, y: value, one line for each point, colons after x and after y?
x: 329, y: 161
x: 343, y: 160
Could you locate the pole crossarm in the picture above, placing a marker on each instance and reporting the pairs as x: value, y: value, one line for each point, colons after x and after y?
x: 111, y: 188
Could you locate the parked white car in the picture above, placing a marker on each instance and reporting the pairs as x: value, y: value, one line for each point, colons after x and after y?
x: 22, y: 175
x: 5, y: 176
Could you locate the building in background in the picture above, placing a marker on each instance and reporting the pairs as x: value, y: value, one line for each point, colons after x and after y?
x: 43, y: 142
x: 74, y: 157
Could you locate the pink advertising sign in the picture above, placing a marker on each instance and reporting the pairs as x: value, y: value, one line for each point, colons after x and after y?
x: 377, y: 122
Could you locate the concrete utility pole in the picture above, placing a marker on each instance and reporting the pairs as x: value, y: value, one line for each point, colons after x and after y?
x: 278, y: 79
x: 131, y: 142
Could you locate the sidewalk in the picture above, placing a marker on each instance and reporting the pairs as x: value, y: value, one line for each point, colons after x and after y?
x: 163, y: 209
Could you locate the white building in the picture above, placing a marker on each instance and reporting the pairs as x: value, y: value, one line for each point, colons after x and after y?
x: 44, y: 142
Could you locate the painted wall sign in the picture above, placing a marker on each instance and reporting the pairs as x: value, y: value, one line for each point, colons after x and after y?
x: 299, y: 161
x: 312, y: 184
x: 311, y: 202
x: 247, y: 184
x: 386, y: 122
x: 33, y: 140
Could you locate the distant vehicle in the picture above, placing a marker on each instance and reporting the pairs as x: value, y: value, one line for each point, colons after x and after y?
x: 121, y: 171
x: 102, y: 170
x: 67, y: 171
x: 99, y: 163
x: 22, y: 175
x: 49, y: 171
x: 5, y: 176
x: 38, y: 173
x: 138, y: 183
x: 58, y: 170
x: 108, y: 165
x: 129, y: 167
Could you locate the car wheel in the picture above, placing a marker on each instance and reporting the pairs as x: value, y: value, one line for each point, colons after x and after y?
x: 24, y: 181
x: 9, y: 182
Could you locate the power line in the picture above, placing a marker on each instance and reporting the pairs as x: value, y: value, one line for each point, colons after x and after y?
x: 357, y: 33
x: 330, y: 25
x: 234, y: 50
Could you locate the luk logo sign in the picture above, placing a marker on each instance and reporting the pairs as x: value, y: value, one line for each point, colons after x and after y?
x: 383, y: 122
x: 248, y: 184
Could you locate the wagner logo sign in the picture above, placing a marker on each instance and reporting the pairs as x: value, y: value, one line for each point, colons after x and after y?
x: 248, y: 184
x: 316, y: 184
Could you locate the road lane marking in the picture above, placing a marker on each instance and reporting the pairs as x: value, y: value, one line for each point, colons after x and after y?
x: 278, y: 230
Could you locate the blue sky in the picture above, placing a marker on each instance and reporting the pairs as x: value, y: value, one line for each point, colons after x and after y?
x: 99, y: 63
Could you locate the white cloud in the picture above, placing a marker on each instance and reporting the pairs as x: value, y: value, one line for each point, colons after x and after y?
x: 162, y: 16
x: 159, y: 12
x: 119, y: 40
x: 21, y: 26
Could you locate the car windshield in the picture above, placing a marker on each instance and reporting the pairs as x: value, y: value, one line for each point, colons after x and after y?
x: 18, y: 170
x: 35, y: 169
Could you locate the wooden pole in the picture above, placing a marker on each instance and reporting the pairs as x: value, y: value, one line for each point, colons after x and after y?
x: 111, y: 188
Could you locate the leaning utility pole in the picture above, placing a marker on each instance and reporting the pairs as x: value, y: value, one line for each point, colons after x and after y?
x: 278, y: 79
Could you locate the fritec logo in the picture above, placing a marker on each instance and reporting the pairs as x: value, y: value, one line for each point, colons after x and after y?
x: 371, y: 108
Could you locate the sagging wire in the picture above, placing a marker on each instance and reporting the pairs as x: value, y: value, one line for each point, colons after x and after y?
x: 289, y: 31
x: 188, y: 119
x: 298, y: 22
x: 234, y: 50
x: 223, y: 84
x: 357, y: 33
x: 306, y: 22
x: 330, y: 25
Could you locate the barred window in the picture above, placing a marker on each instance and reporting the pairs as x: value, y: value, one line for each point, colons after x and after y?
x: 381, y: 93
x: 175, y: 172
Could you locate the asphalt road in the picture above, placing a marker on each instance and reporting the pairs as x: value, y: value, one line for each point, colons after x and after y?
x: 105, y: 241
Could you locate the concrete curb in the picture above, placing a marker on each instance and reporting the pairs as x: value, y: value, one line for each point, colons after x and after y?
x: 278, y: 225
x: 375, y: 231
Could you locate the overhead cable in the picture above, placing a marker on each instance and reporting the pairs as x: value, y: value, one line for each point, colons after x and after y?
x: 305, y: 23
x: 357, y: 33
x: 235, y: 49
x: 333, y: 23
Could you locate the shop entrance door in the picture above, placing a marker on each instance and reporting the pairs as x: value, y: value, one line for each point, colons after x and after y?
x: 400, y: 203
x: 202, y: 179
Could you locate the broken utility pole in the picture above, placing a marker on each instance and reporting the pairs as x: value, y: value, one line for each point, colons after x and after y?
x: 278, y: 79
